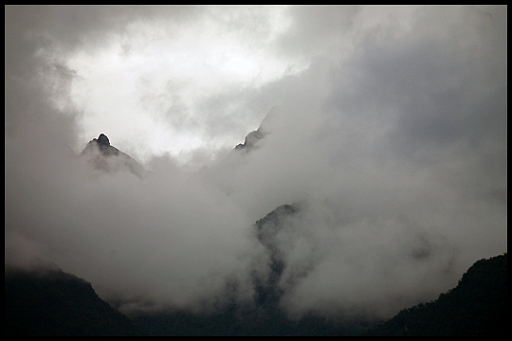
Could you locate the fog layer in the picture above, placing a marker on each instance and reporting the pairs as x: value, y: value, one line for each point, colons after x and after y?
x: 392, y: 144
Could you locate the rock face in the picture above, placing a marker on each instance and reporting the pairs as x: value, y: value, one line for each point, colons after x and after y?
x: 102, y: 143
x: 103, y: 140
x: 101, y: 155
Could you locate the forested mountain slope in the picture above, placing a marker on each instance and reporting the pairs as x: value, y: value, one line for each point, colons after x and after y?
x: 53, y: 303
x: 477, y: 306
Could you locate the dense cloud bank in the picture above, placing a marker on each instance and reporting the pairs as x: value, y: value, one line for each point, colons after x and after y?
x: 392, y: 144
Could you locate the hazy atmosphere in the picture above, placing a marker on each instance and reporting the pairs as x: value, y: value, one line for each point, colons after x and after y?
x: 385, y: 126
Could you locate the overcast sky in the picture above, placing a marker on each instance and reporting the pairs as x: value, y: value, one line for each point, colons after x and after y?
x: 386, y: 124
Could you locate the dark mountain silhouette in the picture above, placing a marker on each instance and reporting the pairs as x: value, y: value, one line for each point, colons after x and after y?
x: 267, y: 229
x: 476, y: 307
x: 55, y: 303
x: 263, y: 317
x: 103, y: 156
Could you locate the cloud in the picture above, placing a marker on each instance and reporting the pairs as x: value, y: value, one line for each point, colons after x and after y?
x: 391, y: 142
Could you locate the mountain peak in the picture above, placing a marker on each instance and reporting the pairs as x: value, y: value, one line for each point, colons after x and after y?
x: 108, y: 158
x: 103, y: 140
x: 250, y: 140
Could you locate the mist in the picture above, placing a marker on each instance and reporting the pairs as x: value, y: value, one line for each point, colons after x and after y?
x: 391, y: 143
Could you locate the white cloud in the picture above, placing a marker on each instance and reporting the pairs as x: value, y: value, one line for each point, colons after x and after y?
x: 390, y: 134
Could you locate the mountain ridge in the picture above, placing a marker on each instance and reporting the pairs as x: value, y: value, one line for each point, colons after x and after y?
x: 57, y: 303
x: 477, y: 306
x: 101, y: 155
x: 53, y: 302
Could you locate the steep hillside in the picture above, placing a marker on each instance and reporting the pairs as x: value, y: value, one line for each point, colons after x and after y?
x: 476, y: 307
x: 55, y: 303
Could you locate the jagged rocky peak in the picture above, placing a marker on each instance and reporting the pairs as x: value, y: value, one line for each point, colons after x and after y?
x: 103, y: 144
x: 251, y: 139
x: 103, y: 140
x: 102, y: 155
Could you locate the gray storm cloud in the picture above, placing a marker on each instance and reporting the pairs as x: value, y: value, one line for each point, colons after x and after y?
x: 393, y: 153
